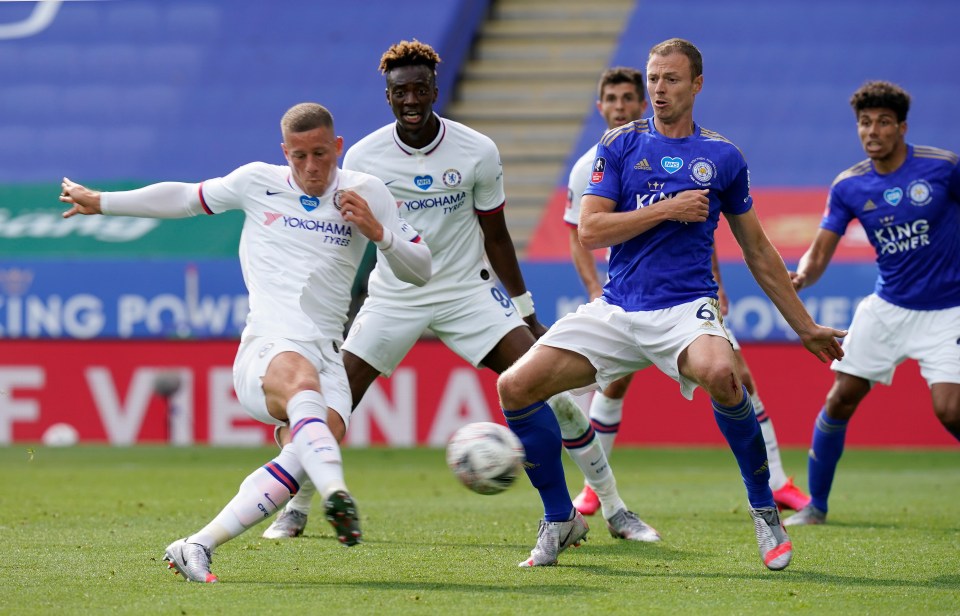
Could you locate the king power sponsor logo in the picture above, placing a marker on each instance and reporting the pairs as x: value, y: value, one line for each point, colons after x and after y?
x: 110, y: 299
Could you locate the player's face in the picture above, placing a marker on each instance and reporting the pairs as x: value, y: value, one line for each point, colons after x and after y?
x: 411, y: 92
x: 672, y: 87
x: 312, y: 156
x: 621, y: 103
x: 880, y: 133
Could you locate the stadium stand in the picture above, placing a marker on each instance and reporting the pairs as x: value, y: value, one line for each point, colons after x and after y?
x: 777, y: 76
x: 147, y: 89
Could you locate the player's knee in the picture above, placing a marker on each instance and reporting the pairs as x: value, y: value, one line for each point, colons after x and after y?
x: 841, y: 404
x: 721, y: 382
x: 511, y: 390
x: 618, y: 389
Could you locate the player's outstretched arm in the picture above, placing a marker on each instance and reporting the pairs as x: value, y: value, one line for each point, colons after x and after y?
x: 815, y: 260
x: 768, y: 269
x: 162, y: 200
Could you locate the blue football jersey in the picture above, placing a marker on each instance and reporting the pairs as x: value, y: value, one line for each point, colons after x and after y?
x: 636, y: 166
x: 912, y: 219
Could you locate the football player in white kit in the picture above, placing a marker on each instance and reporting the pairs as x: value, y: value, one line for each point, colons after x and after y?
x: 620, y: 99
x: 307, y: 225
x: 447, y: 180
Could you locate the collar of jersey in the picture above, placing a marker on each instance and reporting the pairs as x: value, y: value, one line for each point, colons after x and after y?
x: 662, y: 137
x: 427, y: 149
x: 334, y: 186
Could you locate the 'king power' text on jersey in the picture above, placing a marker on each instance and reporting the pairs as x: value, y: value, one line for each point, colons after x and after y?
x: 912, y: 219
x: 298, y: 256
x: 440, y: 190
x: 637, y: 167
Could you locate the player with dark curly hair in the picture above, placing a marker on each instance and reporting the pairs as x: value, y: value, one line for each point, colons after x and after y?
x: 907, y: 198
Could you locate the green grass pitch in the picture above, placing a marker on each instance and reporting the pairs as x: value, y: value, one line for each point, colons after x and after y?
x: 82, y: 530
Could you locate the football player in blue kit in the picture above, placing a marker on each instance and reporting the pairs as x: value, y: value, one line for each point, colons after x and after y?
x: 907, y: 198
x: 656, y: 192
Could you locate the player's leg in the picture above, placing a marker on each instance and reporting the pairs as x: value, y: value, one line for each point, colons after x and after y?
x: 292, y: 521
x: 578, y: 436
x: 934, y: 345
x: 606, y: 411
x: 785, y: 493
x: 877, y: 341
x: 314, y: 396
x: 523, y: 389
x: 829, y: 435
x: 260, y: 494
x: 707, y: 359
x: 946, y: 405
x: 381, y: 335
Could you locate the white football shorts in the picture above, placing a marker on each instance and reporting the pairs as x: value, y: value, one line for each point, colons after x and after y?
x: 256, y: 353
x: 883, y: 335
x: 471, y: 326
x: 619, y: 343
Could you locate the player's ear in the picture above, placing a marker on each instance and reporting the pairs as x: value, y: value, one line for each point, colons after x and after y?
x: 339, y: 145
x: 698, y: 84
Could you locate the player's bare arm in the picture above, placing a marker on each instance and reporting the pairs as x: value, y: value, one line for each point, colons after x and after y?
x: 815, y: 260
x: 600, y: 226
x: 354, y: 209
x: 498, y: 246
x: 768, y: 269
x: 586, y: 266
x: 81, y: 199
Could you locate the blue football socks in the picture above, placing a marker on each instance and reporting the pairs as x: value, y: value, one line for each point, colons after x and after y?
x: 828, y: 438
x: 739, y: 426
x: 537, y: 428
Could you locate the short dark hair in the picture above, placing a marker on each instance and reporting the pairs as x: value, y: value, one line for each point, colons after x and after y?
x: 881, y: 95
x: 683, y: 46
x: 621, y: 74
x: 409, y: 53
x: 305, y: 116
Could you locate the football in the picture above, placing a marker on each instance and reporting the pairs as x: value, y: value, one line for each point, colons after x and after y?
x: 485, y: 456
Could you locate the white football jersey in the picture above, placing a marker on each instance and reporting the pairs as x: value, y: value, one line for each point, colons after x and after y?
x: 576, y: 184
x: 440, y: 190
x: 298, y: 256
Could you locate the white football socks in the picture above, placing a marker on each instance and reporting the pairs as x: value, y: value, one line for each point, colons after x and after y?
x: 777, y: 475
x: 261, y: 493
x: 314, y: 443
x: 609, y: 413
x: 589, y: 456
x: 302, y: 500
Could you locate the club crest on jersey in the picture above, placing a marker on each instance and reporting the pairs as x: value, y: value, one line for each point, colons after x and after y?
x: 309, y: 203
x: 337, y: 195
x: 893, y: 195
x: 598, y: 166
x: 702, y: 170
x: 451, y: 178
x: 671, y: 164
x: 920, y: 192
x: 423, y: 182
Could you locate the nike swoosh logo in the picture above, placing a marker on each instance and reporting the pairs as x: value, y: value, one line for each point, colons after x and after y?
x: 507, y: 314
x: 595, y: 462
x: 270, y: 194
x: 389, y: 183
